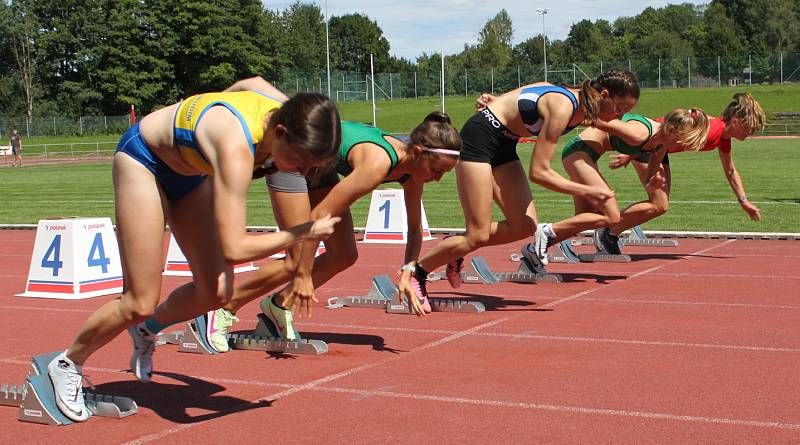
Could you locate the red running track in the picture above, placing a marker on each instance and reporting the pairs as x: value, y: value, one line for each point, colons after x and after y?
x: 697, y: 343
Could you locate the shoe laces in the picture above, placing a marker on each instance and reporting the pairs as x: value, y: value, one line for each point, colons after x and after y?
x: 146, y: 346
x: 228, y: 318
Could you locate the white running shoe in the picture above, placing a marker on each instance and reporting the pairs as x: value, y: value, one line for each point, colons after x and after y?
x: 66, y: 377
x: 217, y: 324
x: 281, y: 318
x: 541, y: 243
x: 144, y: 344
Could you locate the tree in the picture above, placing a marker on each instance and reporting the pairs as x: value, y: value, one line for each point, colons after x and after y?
x: 305, y: 37
x: 494, y: 40
x: 21, y: 27
x: 353, y: 38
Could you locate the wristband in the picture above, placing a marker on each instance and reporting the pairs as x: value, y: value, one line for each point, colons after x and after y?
x: 408, y: 267
x: 742, y: 199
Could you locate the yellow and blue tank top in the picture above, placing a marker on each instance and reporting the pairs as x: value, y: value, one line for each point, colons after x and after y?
x: 250, y: 108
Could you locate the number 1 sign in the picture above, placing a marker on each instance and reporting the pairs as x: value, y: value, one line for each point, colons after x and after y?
x: 74, y: 258
x: 387, y: 222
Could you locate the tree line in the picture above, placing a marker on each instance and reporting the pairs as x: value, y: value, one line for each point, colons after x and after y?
x: 97, y: 57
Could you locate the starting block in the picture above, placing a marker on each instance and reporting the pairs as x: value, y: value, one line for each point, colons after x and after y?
x: 479, y: 272
x: 563, y: 253
x: 37, y: 403
x: 636, y: 237
x: 383, y: 294
x: 265, y: 338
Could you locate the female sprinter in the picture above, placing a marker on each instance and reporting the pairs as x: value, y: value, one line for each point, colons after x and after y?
x: 639, y: 137
x: 741, y: 118
x: 489, y: 167
x: 368, y: 157
x: 190, y: 164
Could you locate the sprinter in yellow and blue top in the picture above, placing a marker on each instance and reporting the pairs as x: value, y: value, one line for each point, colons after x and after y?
x: 250, y: 108
x: 190, y: 165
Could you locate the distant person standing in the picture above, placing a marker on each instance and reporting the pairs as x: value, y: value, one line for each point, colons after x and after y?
x: 16, y: 148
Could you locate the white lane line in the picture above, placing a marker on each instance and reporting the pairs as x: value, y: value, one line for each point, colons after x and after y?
x: 693, y: 303
x: 572, y: 409
x: 329, y: 378
x: 631, y: 277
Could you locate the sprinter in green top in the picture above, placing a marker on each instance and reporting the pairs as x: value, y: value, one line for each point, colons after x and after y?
x: 368, y: 156
x: 642, y: 138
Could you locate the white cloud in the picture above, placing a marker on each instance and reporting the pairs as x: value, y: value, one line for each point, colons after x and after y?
x: 414, y: 26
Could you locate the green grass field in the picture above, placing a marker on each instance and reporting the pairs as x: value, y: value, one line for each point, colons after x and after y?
x: 701, y: 197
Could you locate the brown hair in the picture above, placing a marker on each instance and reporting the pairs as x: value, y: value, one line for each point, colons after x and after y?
x: 436, y: 131
x: 691, y: 125
x: 619, y: 83
x: 313, y: 125
x: 745, y: 108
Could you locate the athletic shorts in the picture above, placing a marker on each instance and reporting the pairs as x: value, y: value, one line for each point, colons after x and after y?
x: 175, y: 185
x: 579, y: 145
x: 15, y: 151
x: 487, y: 140
x: 646, y: 158
x: 292, y: 182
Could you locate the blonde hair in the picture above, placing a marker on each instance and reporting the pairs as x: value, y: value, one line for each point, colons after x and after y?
x: 436, y: 132
x: 619, y: 83
x: 691, y: 126
x: 745, y: 108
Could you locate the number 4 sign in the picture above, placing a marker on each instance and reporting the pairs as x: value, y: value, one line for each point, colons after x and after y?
x: 74, y: 258
x: 387, y: 222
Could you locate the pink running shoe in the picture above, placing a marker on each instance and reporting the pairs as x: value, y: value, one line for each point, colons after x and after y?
x: 453, y: 273
x: 422, y: 294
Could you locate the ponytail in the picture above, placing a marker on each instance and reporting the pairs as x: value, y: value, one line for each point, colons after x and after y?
x: 745, y: 108
x: 691, y: 127
x: 619, y: 83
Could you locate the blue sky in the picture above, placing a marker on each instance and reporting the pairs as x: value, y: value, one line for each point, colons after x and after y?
x: 415, y: 26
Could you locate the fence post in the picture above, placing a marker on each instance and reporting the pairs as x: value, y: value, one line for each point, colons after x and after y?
x: 27, y: 128
x: 72, y: 149
x: 80, y: 124
x: 519, y: 78
x: 601, y: 67
x: 750, y: 62
x: 629, y: 65
x: 573, y: 74
x: 391, y: 87
x: 466, y: 85
x: 719, y: 74
x: 105, y: 123
x: 659, y: 73
x: 492, y: 81
x: 689, y: 70
x: 54, y: 126
x: 97, y: 149
x: 45, y: 151
x: 781, y: 68
x: 415, y: 84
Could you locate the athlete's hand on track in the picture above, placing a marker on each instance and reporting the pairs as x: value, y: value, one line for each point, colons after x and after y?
x: 322, y: 228
x: 483, y: 100
x: 405, y: 289
x: 301, y: 295
x: 598, y: 196
x: 619, y: 160
x: 752, y: 211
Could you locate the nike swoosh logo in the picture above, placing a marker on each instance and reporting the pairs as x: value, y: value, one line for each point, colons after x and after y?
x: 276, y: 318
x: 212, y: 322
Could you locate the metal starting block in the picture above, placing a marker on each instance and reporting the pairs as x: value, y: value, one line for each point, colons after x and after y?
x: 264, y: 338
x: 479, y: 272
x: 37, y: 401
x: 636, y: 237
x: 563, y: 253
x: 383, y: 294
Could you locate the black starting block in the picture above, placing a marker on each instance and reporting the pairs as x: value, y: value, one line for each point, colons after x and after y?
x: 479, y: 272
x: 265, y: 338
x: 383, y: 294
x: 636, y: 237
x: 37, y: 400
x: 564, y: 253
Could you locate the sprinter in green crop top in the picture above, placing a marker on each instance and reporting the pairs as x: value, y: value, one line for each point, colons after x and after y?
x: 642, y: 138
